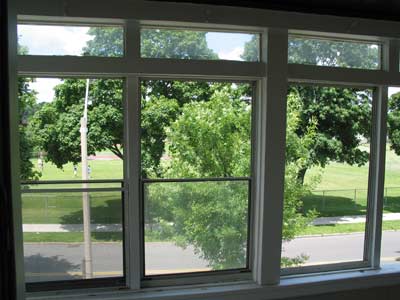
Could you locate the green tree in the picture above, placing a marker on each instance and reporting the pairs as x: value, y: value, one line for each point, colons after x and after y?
x: 394, y: 122
x: 342, y: 116
x: 213, y: 139
x: 27, y: 102
x: 57, y: 124
x: 343, y: 119
x: 61, y: 141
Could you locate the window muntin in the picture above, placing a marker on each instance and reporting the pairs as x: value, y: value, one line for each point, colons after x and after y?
x: 54, y: 190
x: 334, y: 53
x: 101, y: 41
x: 199, y: 45
x: 326, y: 179
x: 196, y: 201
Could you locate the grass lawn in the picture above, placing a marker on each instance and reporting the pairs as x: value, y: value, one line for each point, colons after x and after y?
x: 66, y: 208
x: 77, y: 237
x: 346, y: 228
x: 100, y: 169
x: 70, y: 237
x: 341, y: 190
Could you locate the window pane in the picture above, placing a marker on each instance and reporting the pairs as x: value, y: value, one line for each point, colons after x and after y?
x: 195, y: 226
x: 390, y: 252
x: 196, y: 150
x: 70, y: 40
x: 333, y: 53
x: 326, y: 179
x: 188, y: 44
x: 53, y: 235
x: 52, y: 134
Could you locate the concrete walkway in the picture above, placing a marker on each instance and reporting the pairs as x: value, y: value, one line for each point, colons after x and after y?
x: 352, y: 219
x: 118, y: 227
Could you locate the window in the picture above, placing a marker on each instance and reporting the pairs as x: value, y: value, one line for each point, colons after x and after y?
x: 105, y: 41
x: 328, y: 138
x: 219, y: 149
x: 72, y: 215
x: 196, y: 188
x: 390, y: 251
x: 201, y: 45
x: 334, y: 53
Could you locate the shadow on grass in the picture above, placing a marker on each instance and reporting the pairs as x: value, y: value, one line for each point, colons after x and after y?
x: 110, y: 212
x: 392, y: 204
x: 335, y: 206
x: 332, y: 206
x: 44, y: 268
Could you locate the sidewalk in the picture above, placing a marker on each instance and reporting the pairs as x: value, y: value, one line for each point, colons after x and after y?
x: 118, y: 227
x: 352, y: 219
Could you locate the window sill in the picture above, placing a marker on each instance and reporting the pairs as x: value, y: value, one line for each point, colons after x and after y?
x: 288, y: 287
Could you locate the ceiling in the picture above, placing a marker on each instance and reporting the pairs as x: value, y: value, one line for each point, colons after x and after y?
x: 374, y: 9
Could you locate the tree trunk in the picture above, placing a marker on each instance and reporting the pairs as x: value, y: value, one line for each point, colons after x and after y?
x: 301, y: 174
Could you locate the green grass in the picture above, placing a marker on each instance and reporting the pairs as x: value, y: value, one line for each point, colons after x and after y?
x: 66, y: 208
x: 342, y: 189
x: 100, y: 169
x: 333, y: 195
x: 77, y: 237
x: 346, y: 228
x: 70, y: 237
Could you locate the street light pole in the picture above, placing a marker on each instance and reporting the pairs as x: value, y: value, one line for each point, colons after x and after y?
x: 88, y: 272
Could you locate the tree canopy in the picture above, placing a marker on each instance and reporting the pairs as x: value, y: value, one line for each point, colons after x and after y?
x: 213, y: 139
x: 27, y: 106
x: 394, y: 122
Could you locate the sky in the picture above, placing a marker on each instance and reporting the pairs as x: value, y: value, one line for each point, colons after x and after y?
x: 70, y: 40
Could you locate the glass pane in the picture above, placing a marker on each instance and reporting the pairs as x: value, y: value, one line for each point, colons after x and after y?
x: 334, y: 53
x: 196, y: 130
x: 195, y: 226
x: 107, y: 41
x: 390, y: 250
x: 189, y: 44
x: 326, y: 179
x: 53, y: 227
x: 53, y: 132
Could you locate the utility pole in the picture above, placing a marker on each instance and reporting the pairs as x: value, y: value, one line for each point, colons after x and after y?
x: 87, y: 261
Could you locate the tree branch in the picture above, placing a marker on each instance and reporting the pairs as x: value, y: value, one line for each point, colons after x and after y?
x: 114, y: 149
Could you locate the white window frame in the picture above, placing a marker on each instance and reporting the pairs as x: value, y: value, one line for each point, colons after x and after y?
x: 272, y: 75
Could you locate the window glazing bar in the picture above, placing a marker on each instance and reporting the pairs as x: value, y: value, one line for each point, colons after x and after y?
x: 271, y: 132
x: 376, y: 177
x: 132, y: 236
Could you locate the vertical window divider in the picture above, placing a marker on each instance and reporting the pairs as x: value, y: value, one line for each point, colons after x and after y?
x: 271, y: 131
x: 390, y: 56
x: 133, y: 258
x: 132, y: 44
x: 376, y: 176
x: 132, y: 207
x: 13, y: 148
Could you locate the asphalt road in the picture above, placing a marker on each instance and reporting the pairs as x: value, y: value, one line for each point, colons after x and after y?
x: 55, y: 261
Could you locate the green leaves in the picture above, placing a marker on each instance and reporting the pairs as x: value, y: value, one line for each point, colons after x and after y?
x: 394, y: 122
x: 211, y: 139
x: 56, y: 126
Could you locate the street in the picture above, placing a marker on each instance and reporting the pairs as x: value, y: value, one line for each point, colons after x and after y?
x: 58, y: 261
